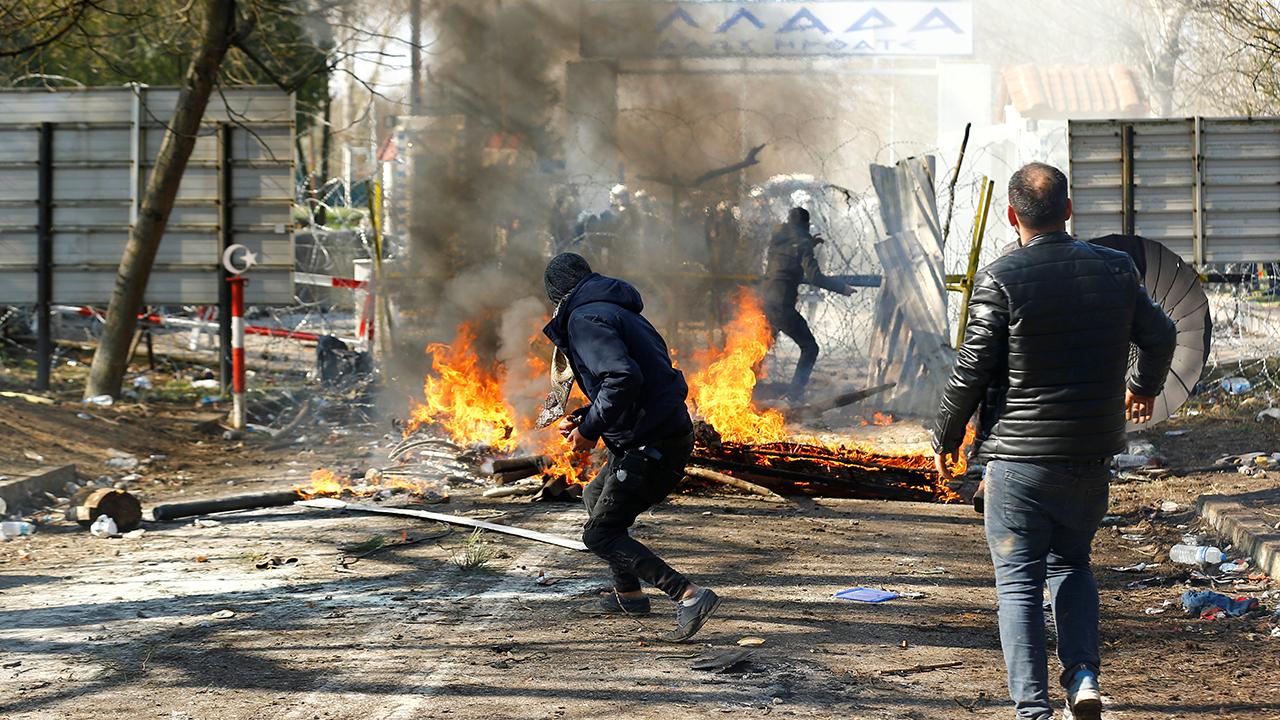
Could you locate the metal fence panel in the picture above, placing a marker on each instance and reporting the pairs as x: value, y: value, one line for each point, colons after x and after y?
x: 105, y: 142
x: 1209, y: 189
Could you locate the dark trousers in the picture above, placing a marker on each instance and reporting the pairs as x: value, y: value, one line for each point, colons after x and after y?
x: 628, y: 485
x: 787, y: 320
x: 1040, y: 522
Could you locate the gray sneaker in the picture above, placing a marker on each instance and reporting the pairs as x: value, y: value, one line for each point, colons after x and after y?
x: 1083, y: 696
x: 691, y: 617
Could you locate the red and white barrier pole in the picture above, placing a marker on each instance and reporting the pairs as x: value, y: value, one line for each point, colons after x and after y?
x: 237, y: 351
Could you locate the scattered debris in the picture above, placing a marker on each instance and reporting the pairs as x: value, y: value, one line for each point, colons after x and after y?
x: 1140, y: 567
x: 1270, y: 413
x: 224, y: 614
x: 1236, y: 385
x: 13, y: 529
x: 267, y: 561
x: 751, y: 641
x: 104, y: 526
x: 866, y: 595
x: 1205, y: 603
x: 1160, y: 609
x: 723, y: 662
x: 36, y: 399
x: 922, y: 668
x: 33, y: 456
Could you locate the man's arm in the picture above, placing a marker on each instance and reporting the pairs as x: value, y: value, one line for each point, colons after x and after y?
x: 985, y: 342
x: 603, y: 351
x: 813, y: 273
x: 1156, y: 337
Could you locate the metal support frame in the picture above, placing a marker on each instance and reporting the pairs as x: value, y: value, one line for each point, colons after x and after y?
x: 1126, y: 181
x: 975, y: 253
x: 225, y: 239
x: 1197, y: 191
x: 44, y: 258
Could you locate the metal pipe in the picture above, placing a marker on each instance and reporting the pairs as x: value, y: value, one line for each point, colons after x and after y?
x: 224, y: 241
x: 237, y: 351
x: 44, y: 258
x: 1126, y: 171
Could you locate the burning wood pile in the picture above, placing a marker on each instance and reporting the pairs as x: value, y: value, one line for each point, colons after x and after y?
x: 467, y: 423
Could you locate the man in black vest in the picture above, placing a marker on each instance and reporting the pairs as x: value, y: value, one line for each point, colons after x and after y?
x: 637, y: 407
x: 1054, y: 321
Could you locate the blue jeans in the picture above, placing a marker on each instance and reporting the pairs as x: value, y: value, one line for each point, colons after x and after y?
x: 1040, y: 520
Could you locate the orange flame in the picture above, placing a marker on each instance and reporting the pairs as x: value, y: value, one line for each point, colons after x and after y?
x: 722, y: 389
x: 326, y: 483
x: 464, y: 398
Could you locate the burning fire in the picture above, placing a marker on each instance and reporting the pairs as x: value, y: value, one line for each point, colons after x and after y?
x: 722, y: 389
x: 464, y: 398
x: 470, y: 401
x: 327, y: 483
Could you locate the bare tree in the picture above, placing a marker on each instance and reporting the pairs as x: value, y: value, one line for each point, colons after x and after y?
x: 1249, y: 35
x: 220, y: 31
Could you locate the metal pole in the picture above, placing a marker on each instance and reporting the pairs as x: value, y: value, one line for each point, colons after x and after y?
x: 1126, y: 187
x: 225, y: 239
x: 44, y: 258
x: 236, y: 284
x: 975, y: 252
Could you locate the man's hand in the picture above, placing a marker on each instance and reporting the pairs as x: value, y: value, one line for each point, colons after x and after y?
x: 943, y: 463
x: 579, y: 443
x: 568, y: 424
x: 1137, y: 408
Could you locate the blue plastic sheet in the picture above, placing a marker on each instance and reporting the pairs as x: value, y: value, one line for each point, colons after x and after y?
x: 866, y: 595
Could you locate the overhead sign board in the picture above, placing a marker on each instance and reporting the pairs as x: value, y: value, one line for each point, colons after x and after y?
x: 630, y: 29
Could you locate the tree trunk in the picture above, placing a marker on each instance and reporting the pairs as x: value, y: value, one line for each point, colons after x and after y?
x: 112, y: 357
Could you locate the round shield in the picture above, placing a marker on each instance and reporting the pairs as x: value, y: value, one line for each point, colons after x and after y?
x: 1175, y: 287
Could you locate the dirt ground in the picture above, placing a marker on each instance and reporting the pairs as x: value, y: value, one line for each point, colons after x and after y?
x: 179, y: 623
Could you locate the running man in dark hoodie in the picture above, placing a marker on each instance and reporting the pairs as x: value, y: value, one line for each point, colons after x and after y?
x: 638, y: 408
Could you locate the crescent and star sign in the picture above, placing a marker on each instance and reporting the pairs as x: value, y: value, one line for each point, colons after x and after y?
x: 248, y: 259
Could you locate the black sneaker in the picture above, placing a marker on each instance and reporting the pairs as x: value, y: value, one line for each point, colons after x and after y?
x: 691, y: 618
x: 614, y: 604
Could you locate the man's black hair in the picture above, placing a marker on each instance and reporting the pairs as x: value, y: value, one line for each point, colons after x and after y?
x: 563, y: 274
x: 799, y: 217
x: 1038, y: 194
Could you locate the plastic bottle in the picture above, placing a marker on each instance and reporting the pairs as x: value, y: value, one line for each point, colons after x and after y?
x: 1192, y: 555
x: 12, y: 529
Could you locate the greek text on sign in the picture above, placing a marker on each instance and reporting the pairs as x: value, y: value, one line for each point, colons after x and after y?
x: 612, y: 28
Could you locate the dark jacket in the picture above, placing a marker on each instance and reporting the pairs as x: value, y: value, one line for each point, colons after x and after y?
x: 1062, y: 314
x: 622, y: 365
x: 790, y: 262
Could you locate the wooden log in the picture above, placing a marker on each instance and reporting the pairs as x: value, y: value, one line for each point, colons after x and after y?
x: 817, y: 408
x: 173, y: 511
x: 887, y: 484
x: 504, y: 465
x: 506, y: 478
x: 729, y: 480
x: 89, y: 503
